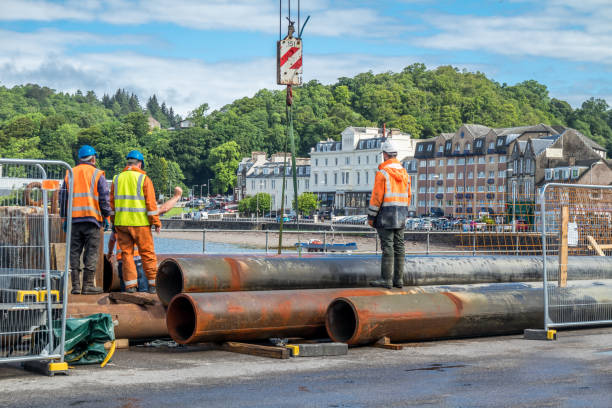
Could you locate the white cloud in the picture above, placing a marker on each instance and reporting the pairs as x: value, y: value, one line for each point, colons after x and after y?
x: 234, y: 15
x: 571, y: 30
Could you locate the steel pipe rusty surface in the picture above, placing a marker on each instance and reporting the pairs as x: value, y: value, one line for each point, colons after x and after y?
x: 182, y: 274
x: 133, y: 321
x: 469, y: 312
x: 226, y: 316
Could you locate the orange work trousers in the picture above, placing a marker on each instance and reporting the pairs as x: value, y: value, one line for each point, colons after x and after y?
x: 142, y: 237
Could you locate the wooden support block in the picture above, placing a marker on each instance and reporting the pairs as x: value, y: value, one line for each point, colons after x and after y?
x: 602, y: 247
x: 563, y: 246
x: 131, y: 298
x: 257, y: 350
x: 385, y: 343
x: 120, y: 344
x: 595, y: 245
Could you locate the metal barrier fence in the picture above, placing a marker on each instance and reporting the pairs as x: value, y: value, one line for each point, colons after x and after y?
x: 576, y: 220
x: 429, y: 242
x: 33, y: 279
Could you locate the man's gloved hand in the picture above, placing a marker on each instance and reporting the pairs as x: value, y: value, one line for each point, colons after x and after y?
x: 106, y: 225
x: 65, y: 226
x: 371, y: 223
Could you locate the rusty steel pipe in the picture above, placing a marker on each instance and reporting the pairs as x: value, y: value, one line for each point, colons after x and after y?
x: 132, y: 321
x: 227, y: 316
x: 182, y: 274
x: 485, y: 310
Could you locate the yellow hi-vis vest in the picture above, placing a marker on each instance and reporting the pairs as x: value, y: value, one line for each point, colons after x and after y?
x: 130, y: 205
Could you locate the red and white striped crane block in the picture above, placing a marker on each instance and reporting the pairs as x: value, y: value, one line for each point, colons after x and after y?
x: 289, y: 61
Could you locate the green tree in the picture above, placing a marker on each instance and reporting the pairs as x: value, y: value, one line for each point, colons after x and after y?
x: 223, y: 161
x: 244, y: 205
x: 307, y: 203
x: 260, y: 203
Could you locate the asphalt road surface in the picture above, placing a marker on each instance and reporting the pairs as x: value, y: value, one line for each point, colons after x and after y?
x: 507, y: 371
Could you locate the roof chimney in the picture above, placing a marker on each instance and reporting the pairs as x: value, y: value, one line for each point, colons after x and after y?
x: 572, y: 160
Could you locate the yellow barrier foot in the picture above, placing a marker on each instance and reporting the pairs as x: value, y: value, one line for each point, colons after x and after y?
x: 540, y: 334
x: 46, y: 367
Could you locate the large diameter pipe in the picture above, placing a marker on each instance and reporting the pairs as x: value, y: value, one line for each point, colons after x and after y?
x: 227, y: 316
x: 450, y: 314
x: 234, y: 273
x: 131, y: 321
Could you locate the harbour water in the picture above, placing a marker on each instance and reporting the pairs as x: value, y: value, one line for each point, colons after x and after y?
x: 190, y: 246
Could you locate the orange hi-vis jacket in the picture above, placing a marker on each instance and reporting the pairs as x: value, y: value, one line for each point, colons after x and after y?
x: 390, y: 196
x: 85, y: 197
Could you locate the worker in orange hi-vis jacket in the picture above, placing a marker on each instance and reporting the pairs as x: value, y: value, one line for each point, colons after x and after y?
x: 134, y: 211
x: 387, y: 213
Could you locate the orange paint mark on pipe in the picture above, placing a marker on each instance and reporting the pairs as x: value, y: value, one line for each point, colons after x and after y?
x: 458, y: 303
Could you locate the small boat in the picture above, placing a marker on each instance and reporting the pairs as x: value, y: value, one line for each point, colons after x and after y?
x: 316, y: 245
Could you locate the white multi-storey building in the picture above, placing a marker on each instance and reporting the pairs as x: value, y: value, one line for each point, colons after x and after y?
x: 267, y: 177
x: 343, y: 172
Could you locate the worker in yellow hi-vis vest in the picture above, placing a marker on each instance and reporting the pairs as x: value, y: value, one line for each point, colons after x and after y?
x: 134, y: 211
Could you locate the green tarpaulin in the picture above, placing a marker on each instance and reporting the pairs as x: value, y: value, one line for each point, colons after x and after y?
x: 85, y: 338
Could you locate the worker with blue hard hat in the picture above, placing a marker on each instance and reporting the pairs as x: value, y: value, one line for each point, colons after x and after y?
x: 90, y: 210
x: 133, y: 212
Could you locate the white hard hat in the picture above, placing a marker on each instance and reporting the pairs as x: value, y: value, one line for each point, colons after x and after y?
x: 389, y: 147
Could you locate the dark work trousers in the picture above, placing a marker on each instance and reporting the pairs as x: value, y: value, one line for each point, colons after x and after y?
x: 393, y: 252
x: 84, y: 239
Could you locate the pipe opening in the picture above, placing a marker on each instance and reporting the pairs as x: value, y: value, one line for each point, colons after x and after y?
x: 181, y: 319
x: 107, y: 277
x: 169, y: 280
x: 341, y: 320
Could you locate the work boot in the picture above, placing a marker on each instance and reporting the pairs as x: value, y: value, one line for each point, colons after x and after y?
x: 152, y: 290
x: 75, y: 278
x: 88, y: 284
x: 130, y: 290
x: 381, y: 284
x: 398, y: 285
x: 91, y: 290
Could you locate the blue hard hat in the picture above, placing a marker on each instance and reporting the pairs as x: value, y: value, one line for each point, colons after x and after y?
x: 86, y: 151
x: 136, y: 155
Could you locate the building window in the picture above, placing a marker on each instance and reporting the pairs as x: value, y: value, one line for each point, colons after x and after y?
x: 468, y: 146
x: 273, y: 182
x: 440, y: 149
x: 460, y: 176
x: 575, y: 173
x: 440, y: 176
x: 429, y: 147
x: 470, y: 160
x: 325, y: 179
x: 316, y: 178
x: 358, y: 178
x: 469, y: 189
x: 421, y: 203
x: 367, y: 174
x: 336, y: 161
x: 441, y: 162
x: 501, y: 174
x: 253, y: 184
x: 471, y: 175
x: 432, y: 163
x: 500, y: 189
x: 481, y: 174
x: 481, y: 189
x: 460, y: 189
x: 422, y: 190
x: 347, y: 160
x: 450, y: 176
x: 460, y: 162
x: 502, y: 159
x: 422, y: 176
x: 336, y: 178
x: 440, y: 189
x: 482, y: 160
x: 342, y: 177
x: 491, y: 159
x: 449, y: 203
x: 422, y: 163
x: 316, y: 163
x: 462, y: 134
x: 492, y: 145
x: 491, y: 174
x: 347, y: 177
x: 451, y: 162
x: 358, y: 160
x: 326, y: 161
x: 515, y: 166
x: 450, y: 189
x: 491, y: 189
x: 420, y: 148
x: 367, y: 159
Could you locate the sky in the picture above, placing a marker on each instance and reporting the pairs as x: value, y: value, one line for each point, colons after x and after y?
x: 190, y: 52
